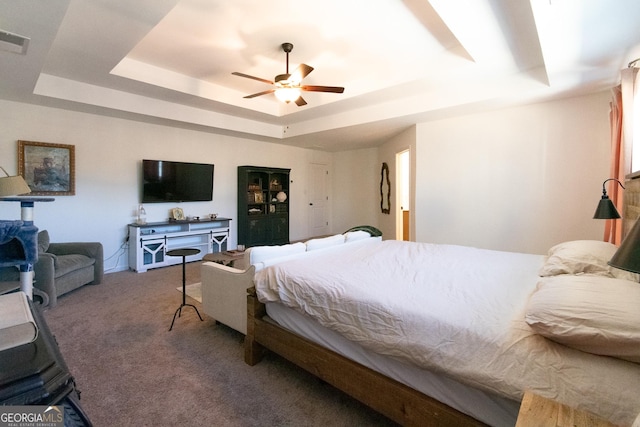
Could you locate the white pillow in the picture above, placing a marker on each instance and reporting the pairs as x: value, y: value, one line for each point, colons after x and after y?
x: 595, y: 314
x: 259, y: 254
x: 325, y: 242
x: 352, y: 236
x: 584, y: 257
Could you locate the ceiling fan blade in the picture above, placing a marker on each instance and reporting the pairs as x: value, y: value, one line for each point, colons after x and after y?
x: 300, y: 102
x: 260, y: 93
x: 333, y: 89
x: 301, y: 72
x: 235, y: 73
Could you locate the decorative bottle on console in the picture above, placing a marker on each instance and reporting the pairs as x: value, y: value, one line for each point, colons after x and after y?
x: 142, y: 215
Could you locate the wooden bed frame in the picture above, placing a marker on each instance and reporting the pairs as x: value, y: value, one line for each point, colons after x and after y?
x: 396, y: 401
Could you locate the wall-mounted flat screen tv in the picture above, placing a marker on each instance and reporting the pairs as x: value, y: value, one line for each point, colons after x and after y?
x: 165, y: 181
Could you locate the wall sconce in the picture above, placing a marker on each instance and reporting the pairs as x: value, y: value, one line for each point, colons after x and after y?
x: 12, y: 185
x: 606, y: 209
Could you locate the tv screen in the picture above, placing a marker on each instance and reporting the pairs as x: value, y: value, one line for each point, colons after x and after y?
x: 165, y: 181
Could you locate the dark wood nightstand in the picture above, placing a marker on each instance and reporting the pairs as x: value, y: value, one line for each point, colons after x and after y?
x: 538, y: 411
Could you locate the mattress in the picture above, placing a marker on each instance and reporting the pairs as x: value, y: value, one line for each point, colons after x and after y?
x: 452, y: 310
x: 486, y: 407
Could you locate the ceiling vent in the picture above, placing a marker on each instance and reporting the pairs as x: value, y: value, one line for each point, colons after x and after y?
x: 13, y: 42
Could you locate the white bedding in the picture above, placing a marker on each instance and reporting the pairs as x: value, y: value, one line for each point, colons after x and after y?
x: 496, y: 411
x: 450, y: 309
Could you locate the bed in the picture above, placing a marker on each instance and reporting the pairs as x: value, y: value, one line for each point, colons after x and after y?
x: 463, y: 333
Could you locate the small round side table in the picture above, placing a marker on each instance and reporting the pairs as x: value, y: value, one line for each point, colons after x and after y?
x: 184, y: 253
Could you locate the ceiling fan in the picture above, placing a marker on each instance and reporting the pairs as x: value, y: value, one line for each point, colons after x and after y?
x: 288, y: 87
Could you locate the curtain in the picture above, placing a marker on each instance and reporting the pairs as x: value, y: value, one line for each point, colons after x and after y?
x: 623, y: 117
x: 613, y: 227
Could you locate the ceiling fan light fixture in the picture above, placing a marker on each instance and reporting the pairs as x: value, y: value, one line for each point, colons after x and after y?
x: 288, y: 87
x: 287, y: 94
x: 282, y: 80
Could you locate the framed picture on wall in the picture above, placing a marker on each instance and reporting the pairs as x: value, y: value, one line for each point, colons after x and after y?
x: 48, y: 169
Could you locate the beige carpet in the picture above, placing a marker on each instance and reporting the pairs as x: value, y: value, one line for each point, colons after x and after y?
x: 133, y: 372
x: 194, y: 291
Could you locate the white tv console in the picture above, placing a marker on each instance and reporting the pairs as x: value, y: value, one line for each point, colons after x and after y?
x: 149, y: 243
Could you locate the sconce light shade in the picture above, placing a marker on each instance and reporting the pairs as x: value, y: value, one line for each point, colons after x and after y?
x: 12, y: 185
x: 606, y: 209
x: 627, y: 257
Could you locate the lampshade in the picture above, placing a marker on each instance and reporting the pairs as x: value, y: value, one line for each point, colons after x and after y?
x: 627, y: 257
x: 606, y: 209
x: 12, y: 185
x: 288, y: 94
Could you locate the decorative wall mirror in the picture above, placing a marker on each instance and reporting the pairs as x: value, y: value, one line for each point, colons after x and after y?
x: 385, y: 190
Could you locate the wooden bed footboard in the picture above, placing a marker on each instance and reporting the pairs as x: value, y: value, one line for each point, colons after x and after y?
x: 395, y: 400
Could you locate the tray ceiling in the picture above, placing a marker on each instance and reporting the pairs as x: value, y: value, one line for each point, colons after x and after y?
x: 401, y: 62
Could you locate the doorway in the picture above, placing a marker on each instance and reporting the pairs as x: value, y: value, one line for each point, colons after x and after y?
x: 403, y: 207
x: 318, y: 200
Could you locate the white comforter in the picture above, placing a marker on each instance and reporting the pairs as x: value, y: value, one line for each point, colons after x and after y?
x: 451, y: 309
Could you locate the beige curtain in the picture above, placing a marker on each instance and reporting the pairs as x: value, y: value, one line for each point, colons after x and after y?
x: 622, y: 117
x: 613, y: 227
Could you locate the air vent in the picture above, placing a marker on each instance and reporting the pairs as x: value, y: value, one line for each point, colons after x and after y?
x: 14, y: 43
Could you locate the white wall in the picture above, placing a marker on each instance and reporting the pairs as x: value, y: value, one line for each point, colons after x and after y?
x: 517, y: 179
x: 108, y: 154
x: 355, y: 181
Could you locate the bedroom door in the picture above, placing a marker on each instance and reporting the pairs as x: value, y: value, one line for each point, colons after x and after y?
x: 318, y: 200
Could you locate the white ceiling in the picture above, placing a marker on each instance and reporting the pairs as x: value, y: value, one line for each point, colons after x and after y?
x: 401, y: 61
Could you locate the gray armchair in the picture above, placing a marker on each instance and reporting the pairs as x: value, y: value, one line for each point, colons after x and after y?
x: 63, y: 267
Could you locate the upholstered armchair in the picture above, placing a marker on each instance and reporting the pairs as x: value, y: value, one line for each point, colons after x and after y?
x: 63, y: 267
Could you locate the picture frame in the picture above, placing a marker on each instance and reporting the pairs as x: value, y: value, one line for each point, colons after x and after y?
x: 49, y: 169
x: 177, y: 214
x: 258, y: 197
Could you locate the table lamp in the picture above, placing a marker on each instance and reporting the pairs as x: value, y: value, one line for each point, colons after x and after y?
x: 12, y: 185
x: 627, y: 257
